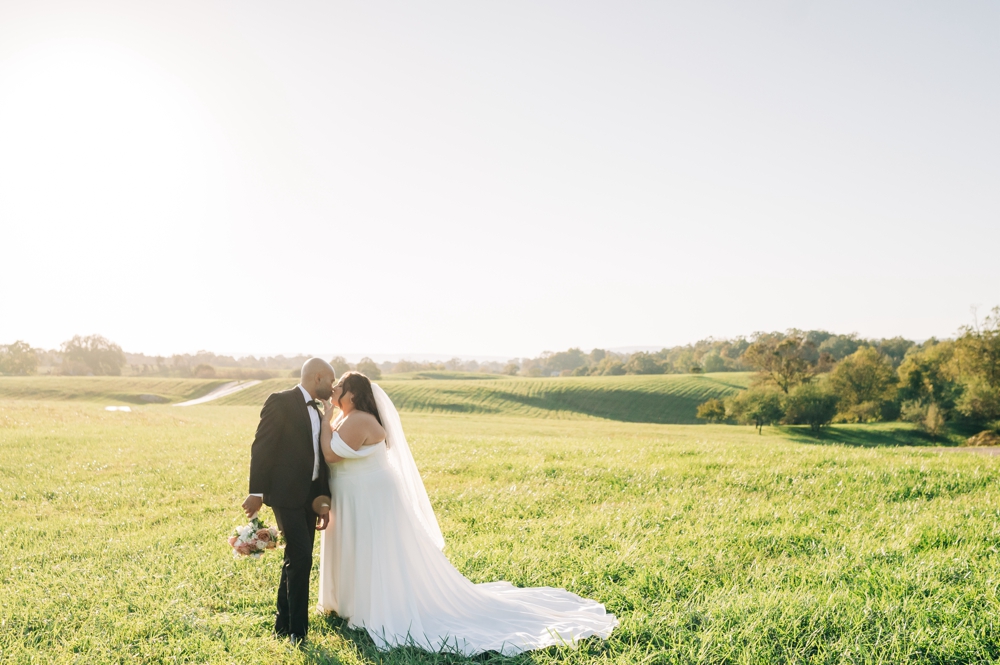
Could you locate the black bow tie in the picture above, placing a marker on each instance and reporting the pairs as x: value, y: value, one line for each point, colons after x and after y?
x: 314, y: 403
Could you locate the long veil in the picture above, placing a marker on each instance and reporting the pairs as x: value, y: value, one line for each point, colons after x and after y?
x: 401, y: 459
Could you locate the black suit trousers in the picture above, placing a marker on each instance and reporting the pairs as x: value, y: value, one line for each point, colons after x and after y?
x: 298, y: 525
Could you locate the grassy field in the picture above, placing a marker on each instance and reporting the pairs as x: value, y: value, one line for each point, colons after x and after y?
x: 651, y: 399
x: 711, y: 543
x: 105, y: 389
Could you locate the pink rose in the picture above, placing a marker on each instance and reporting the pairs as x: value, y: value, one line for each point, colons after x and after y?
x: 232, y: 541
x: 245, y: 549
x: 264, y: 535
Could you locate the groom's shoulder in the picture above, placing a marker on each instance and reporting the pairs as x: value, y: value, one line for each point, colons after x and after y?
x: 284, y: 394
x: 281, y: 396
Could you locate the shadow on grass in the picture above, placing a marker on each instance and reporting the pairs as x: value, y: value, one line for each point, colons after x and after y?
x: 363, y: 646
x: 867, y: 436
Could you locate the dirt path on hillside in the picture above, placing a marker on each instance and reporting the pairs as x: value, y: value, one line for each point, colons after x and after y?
x: 221, y: 391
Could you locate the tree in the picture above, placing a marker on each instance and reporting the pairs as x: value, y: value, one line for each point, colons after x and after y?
x: 609, y: 366
x: 784, y: 361
x: 840, y: 346
x: 642, y: 363
x: 714, y: 411
x: 864, y: 381
x: 928, y: 385
x: 979, y: 400
x: 811, y: 404
x: 757, y: 407
x: 18, y: 359
x: 977, y: 361
x: 894, y: 349
x: 340, y: 365
x: 511, y: 369
x: 97, y: 354
x: 713, y: 362
x: 204, y: 371
x: 570, y: 359
x: 368, y: 367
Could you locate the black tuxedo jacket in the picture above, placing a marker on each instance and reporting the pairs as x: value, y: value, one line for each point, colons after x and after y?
x: 281, y: 457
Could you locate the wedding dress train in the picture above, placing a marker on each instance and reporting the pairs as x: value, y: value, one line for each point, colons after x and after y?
x: 382, y: 568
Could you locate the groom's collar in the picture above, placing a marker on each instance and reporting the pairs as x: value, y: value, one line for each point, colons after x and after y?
x: 304, y: 392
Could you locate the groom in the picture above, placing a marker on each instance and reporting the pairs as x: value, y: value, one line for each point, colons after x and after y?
x: 287, y: 471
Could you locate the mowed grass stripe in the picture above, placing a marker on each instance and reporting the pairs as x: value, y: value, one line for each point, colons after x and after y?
x: 667, y: 399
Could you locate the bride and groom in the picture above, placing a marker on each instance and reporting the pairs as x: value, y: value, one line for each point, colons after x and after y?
x: 381, y: 564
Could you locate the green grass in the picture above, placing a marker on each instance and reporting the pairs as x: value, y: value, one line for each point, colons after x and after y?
x: 712, y: 544
x: 438, y: 375
x: 652, y: 399
x: 104, y: 389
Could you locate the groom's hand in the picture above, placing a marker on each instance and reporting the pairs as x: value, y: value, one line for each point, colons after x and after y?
x: 323, y: 521
x: 252, y: 504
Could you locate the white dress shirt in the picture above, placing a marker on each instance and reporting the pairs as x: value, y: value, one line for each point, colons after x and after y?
x: 315, y: 422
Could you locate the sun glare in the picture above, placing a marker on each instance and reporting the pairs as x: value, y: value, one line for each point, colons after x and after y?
x: 96, y: 132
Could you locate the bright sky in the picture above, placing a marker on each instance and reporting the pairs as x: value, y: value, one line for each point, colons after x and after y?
x: 494, y: 178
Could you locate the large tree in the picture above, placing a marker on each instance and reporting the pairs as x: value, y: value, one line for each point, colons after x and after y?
x: 811, y: 404
x: 340, y: 365
x: 757, y: 407
x: 98, y: 354
x: 643, y: 363
x: 783, y: 360
x: 564, y: 360
x: 864, y: 381
x: 368, y: 367
x: 18, y: 359
x: 977, y: 350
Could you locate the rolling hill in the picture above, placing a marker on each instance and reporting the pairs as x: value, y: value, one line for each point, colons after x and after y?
x: 671, y: 398
x: 105, y: 389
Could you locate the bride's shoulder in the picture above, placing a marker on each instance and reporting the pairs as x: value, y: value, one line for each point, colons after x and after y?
x: 362, y: 418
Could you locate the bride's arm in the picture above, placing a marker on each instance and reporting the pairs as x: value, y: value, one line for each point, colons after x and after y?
x: 326, y: 428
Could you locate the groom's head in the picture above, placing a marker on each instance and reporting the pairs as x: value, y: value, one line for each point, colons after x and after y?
x: 317, y: 378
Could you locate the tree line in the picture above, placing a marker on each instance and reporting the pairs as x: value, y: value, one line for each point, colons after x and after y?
x: 95, y: 355
x: 820, y: 348
x: 931, y: 384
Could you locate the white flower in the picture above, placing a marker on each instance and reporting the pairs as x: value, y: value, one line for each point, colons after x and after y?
x: 261, y: 545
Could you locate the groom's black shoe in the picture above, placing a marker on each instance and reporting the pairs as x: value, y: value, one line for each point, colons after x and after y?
x: 297, y: 640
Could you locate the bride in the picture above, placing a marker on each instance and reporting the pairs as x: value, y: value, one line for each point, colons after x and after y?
x: 381, y: 565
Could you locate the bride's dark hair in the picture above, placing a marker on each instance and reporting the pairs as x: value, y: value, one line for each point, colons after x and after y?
x: 360, y: 386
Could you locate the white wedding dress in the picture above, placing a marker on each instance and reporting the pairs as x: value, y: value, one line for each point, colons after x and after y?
x: 382, y: 568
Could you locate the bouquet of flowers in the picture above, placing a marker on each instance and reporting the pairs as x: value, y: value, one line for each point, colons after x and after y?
x: 253, y: 538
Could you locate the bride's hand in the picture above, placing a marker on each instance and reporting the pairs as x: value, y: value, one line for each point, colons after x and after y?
x: 327, y: 409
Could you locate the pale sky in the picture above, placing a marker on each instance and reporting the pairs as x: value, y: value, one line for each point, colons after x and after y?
x: 494, y: 178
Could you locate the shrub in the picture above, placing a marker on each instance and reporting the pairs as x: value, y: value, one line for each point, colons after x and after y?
x: 811, y: 404
x: 714, y: 411
x: 204, y: 371
x: 757, y: 407
x: 930, y: 416
x: 979, y: 400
